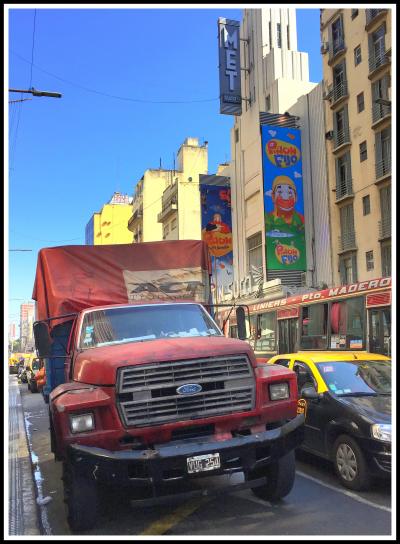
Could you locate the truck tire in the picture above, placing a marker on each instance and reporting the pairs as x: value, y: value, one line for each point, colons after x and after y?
x: 350, y: 465
x: 280, y: 474
x: 81, y: 498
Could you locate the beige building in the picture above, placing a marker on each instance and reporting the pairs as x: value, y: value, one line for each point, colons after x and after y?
x: 356, y: 48
x: 275, y: 82
x: 109, y: 226
x: 27, y: 318
x: 166, y: 203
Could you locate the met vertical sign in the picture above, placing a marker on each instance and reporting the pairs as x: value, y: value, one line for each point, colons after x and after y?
x: 229, y: 66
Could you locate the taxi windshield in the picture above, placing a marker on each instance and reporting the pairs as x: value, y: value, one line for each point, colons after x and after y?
x: 357, y: 378
x: 145, y: 323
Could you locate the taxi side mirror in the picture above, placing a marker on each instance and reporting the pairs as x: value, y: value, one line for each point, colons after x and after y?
x: 310, y: 393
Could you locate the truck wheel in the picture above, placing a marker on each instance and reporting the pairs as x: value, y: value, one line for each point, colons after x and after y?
x: 350, y: 465
x: 280, y: 474
x: 81, y: 498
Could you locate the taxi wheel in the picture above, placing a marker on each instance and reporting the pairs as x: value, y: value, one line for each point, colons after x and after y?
x: 280, y: 478
x: 350, y: 464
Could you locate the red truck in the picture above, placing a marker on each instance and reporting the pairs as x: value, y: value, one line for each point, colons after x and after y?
x: 145, y: 392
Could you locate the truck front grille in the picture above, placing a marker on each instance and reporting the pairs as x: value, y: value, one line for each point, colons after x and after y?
x: 147, y: 395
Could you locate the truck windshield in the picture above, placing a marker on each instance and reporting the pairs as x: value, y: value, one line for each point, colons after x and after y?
x: 143, y: 323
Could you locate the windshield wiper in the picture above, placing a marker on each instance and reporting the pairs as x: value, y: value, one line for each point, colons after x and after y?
x: 359, y: 394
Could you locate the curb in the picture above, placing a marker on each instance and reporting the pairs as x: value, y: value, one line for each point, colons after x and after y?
x: 22, y: 513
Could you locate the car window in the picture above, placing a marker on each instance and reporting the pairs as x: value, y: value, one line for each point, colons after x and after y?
x: 283, y: 362
x: 304, y: 376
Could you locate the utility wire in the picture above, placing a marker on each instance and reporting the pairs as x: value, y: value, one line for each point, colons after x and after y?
x: 33, y: 47
x: 127, y: 99
x: 47, y: 241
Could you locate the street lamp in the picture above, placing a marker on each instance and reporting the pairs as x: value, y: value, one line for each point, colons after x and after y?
x: 35, y: 92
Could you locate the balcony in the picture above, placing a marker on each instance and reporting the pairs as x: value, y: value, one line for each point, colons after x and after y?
x: 136, y: 216
x: 338, y: 92
x: 169, y: 202
x: 336, y: 47
x: 385, y: 228
x: 380, y: 111
x: 378, y: 61
x: 341, y: 138
x: 344, y: 189
x: 373, y: 15
x: 383, y: 168
x: 347, y: 242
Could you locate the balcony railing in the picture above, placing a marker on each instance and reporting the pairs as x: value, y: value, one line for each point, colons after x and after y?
x: 347, y: 241
x: 379, y: 59
x: 339, y: 91
x: 372, y: 13
x: 341, y: 137
x: 336, y: 47
x: 380, y: 111
x: 383, y: 167
x: 344, y: 188
x: 385, y: 227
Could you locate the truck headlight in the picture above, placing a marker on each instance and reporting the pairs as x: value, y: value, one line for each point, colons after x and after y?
x: 382, y: 431
x: 81, y: 423
x: 279, y: 391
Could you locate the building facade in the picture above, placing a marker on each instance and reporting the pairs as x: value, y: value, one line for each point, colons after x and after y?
x: 27, y: 317
x: 166, y: 203
x: 109, y: 226
x: 275, y: 85
x: 356, y: 51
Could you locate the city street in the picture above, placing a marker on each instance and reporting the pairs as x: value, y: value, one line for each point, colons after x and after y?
x: 317, y: 505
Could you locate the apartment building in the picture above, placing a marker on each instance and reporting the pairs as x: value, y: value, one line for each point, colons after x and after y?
x: 276, y: 91
x: 109, y: 225
x: 166, y: 203
x: 27, y: 318
x: 356, y: 50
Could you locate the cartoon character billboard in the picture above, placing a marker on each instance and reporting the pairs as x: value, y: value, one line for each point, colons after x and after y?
x: 283, y: 198
x: 216, y: 229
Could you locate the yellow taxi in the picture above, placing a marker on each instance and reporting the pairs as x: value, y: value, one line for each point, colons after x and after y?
x: 346, y: 399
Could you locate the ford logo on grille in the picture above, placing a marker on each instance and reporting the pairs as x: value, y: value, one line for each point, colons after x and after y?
x: 189, y: 389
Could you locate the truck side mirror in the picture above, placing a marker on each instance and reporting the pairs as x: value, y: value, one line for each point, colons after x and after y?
x: 241, y: 323
x: 43, y: 340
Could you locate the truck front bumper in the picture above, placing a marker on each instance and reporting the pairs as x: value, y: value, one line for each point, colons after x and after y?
x: 167, y: 463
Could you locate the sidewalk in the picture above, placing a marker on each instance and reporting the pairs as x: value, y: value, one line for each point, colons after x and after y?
x: 23, y: 512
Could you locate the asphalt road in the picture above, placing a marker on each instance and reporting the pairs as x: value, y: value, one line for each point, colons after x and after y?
x: 317, y: 505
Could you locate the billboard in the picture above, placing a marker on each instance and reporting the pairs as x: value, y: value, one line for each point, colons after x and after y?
x: 216, y: 230
x: 229, y: 67
x: 283, y: 198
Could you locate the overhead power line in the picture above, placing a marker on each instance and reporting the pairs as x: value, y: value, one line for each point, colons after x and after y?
x: 116, y: 97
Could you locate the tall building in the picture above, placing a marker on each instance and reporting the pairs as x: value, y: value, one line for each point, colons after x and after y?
x: 27, y: 317
x: 276, y: 91
x: 356, y: 48
x: 109, y: 226
x: 166, y: 203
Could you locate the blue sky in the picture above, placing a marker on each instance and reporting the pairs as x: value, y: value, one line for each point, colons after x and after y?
x: 67, y: 156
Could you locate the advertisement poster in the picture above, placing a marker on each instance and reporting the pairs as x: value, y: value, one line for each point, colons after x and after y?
x: 216, y: 229
x: 283, y: 198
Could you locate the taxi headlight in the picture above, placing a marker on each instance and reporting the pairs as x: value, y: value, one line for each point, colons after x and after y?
x: 81, y: 423
x: 279, y: 391
x: 382, y: 431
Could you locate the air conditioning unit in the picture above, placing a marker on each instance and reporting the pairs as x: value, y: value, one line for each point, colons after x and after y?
x: 327, y: 95
x: 324, y: 48
x: 329, y: 135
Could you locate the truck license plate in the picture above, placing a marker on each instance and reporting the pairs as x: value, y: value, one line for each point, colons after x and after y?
x: 201, y: 463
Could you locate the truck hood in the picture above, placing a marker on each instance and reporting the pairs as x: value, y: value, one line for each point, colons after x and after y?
x: 98, y: 366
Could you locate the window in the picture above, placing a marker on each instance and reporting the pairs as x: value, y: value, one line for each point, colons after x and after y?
x: 383, y: 152
x: 348, y: 268
x: 357, y: 55
x: 378, y: 42
x: 347, y: 227
x: 314, y: 321
x: 363, y: 152
x: 366, y: 205
x: 288, y: 37
x: 341, y: 127
x: 254, y: 250
x: 268, y: 103
x: 354, y: 13
x: 360, y: 102
x: 369, y: 260
x: 282, y: 362
x: 347, y: 324
x: 304, y: 377
x: 266, y: 327
x: 236, y: 135
x: 339, y: 81
x: 380, y: 98
x: 386, y: 257
x: 344, y: 185
x: 279, y: 35
x: 337, y: 35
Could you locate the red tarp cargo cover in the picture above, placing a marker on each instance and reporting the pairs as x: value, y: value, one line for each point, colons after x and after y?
x: 72, y: 278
